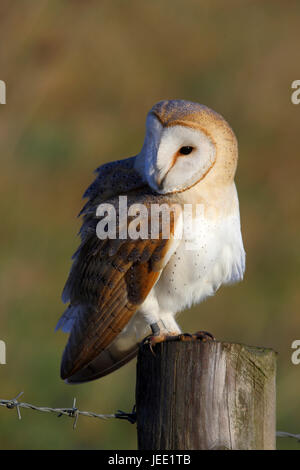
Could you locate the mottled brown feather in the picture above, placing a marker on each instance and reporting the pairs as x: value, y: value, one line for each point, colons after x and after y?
x: 111, y: 279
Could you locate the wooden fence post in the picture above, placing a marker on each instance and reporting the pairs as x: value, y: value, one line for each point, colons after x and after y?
x: 212, y: 395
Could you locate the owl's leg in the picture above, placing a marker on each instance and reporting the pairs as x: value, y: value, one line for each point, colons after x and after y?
x: 149, y: 310
x: 169, y: 324
x: 162, y: 324
x: 166, y: 329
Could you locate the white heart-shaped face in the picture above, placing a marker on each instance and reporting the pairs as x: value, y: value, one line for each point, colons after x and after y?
x: 176, y: 157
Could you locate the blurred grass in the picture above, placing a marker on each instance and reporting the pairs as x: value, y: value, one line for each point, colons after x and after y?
x: 81, y: 76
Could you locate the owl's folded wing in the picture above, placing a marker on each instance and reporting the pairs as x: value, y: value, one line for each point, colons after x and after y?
x: 109, y: 280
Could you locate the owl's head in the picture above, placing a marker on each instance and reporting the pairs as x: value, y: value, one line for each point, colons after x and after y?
x: 186, y: 143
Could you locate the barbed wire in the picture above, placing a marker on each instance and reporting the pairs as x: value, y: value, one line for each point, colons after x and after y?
x: 288, y: 434
x: 72, y: 412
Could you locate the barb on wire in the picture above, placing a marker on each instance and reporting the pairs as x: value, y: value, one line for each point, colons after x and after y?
x: 72, y: 412
x: 131, y: 417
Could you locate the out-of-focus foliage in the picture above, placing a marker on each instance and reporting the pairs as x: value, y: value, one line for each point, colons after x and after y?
x: 81, y: 76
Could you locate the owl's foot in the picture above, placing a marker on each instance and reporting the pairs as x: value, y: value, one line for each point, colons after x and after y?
x: 203, y: 336
x: 152, y: 340
x: 199, y: 335
x: 159, y: 337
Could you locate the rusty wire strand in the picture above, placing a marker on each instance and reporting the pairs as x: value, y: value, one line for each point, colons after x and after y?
x: 72, y: 412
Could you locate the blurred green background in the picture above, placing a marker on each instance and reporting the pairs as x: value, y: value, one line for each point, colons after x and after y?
x: 81, y: 76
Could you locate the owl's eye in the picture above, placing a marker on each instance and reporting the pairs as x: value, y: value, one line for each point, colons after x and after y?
x: 186, y: 150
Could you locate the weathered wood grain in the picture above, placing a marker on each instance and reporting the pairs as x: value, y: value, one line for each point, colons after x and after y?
x: 213, y: 395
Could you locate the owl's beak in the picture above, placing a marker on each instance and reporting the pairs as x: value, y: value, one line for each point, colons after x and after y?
x: 149, y: 151
x: 160, y: 181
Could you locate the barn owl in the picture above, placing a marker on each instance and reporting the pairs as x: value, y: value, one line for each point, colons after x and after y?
x: 123, y: 290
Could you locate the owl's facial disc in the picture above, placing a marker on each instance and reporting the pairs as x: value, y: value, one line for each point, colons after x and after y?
x: 176, y: 157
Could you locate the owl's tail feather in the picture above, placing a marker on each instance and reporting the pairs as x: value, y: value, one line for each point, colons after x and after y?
x: 107, y: 361
x: 121, y: 350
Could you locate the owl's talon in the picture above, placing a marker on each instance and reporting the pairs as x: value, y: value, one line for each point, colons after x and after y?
x: 185, y: 337
x: 152, y: 340
x: 159, y: 337
x: 151, y: 349
x: 148, y: 341
x: 204, y: 336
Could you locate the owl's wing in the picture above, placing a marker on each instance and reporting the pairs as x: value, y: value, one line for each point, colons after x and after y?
x: 109, y: 279
x: 113, y: 178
